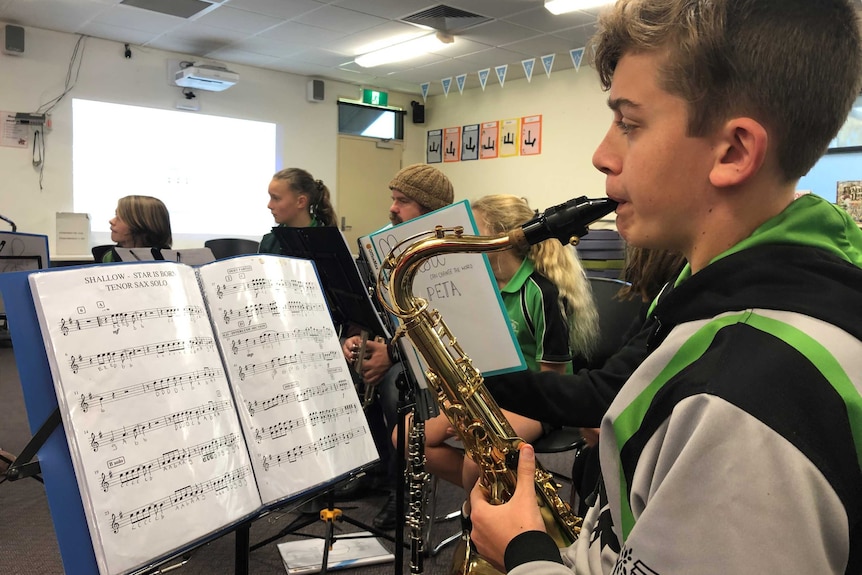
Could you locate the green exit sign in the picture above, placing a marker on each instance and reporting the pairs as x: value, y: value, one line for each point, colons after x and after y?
x: 375, y: 98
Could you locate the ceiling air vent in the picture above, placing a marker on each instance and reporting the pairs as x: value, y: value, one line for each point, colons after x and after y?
x: 446, y: 18
x: 181, y: 8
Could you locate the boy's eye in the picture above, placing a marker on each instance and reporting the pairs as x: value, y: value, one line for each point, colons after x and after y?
x: 624, y: 127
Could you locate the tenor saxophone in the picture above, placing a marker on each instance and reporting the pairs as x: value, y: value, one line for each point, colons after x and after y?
x: 488, y: 438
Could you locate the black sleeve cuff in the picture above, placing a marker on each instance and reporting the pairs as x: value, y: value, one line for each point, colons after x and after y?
x: 390, y: 351
x: 531, y: 546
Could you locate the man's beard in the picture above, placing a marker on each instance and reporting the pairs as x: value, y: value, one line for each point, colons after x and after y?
x: 395, y: 219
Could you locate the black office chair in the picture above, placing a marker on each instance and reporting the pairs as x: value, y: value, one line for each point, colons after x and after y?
x: 615, y: 317
x: 227, y: 247
x: 100, y: 251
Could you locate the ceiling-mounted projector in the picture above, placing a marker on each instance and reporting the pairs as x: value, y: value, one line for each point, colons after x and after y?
x: 205, y: 76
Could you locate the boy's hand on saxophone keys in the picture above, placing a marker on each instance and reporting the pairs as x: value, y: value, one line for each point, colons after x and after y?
x: 494, y: 526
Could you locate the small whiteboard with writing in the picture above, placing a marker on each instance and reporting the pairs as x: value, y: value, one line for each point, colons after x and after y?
x: 461, y: 287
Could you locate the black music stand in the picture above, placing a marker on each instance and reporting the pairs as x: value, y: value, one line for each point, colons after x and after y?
x: 348, y: 302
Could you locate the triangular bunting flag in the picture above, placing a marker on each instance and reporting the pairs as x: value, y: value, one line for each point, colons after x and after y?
x: 425, y: 86
x: 483, y: 77
x: 460, y: 81
x: 501, y: 73
x: 528, y: 68
x: 447, y: 83
x: 548, y: 63
x: 576, y: 55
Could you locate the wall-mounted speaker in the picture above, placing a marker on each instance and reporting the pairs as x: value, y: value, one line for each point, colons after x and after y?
x: 14, y: 41
x: 418, y: 112
x: 315, y: 91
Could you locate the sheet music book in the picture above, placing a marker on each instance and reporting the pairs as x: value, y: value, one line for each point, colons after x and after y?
x: 194, y: 398
x: 304, y: 556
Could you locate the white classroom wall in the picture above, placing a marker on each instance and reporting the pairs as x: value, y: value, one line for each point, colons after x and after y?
x: 307, y: 131
x: 575, y: 118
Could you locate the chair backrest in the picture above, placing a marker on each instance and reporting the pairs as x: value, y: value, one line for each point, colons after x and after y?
x: 226, y: 247
x: 615, y: 316
x: 602, y: 253
x: 100, y: 251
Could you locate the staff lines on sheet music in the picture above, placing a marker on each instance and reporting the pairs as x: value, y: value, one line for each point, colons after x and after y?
x: 323, y: 444
x: 207, y: 451
x: 177, y: 420
x: 317, y: 334
x: 304, y: 358
x: 296, y: 396
x: 157, y: 387
x: 128, y: 319
x: 283, y: 428
x: 273, y: 308
x: 266, y: 285
x: 111, y: 358
x: 180, y: 498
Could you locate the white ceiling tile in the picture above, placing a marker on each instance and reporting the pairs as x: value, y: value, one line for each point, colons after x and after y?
x: 117, y: 33
x: 322, y: 57
x: 240, y: 20
x: 278, y: 8
x: 360, y: 42
x: 498, y: 32
x: 242, y: 57
x: 53, y: 14
x: 339, y: 19
x: 540, y: 19
x: 295, y: 32
x: 269, y: 47
x: 137, y: 19
x: 577, y: 37
x: 281, y: 34
x: 392, y: 9
x: 492, y: 8
x: 538, y: 47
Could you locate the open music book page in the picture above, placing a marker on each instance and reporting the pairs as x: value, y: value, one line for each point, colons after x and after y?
x: 183, y: 417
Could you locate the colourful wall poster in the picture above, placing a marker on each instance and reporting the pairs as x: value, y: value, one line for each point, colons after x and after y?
x: 488, y: 140
x: 434, y: 151
x: 531, y: 135
x: 470, y: 142
x: 452, y: 144
x: 509, y: 137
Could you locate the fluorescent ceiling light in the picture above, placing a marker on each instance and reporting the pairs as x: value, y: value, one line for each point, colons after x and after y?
x: 405, y: 50
x: 562, y: 6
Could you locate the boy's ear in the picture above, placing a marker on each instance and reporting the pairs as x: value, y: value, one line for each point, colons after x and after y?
x: 740, y: 152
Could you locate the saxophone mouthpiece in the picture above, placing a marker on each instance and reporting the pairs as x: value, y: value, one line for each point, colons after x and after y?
x: 566, y: 222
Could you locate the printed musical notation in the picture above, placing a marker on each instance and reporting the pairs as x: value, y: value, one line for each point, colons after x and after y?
x: 131, y: 319
x: 172, y: 384
x: 297, y: 396
x: 274, y: 338
x: 263, y: 285
x: 206, y: 451
x: 323, y: 444
x: 121, y: 356
x: 273, y: 308
x: 294, y: 359
x: 180, y: 498
x: 322, y: 417
x: 158, y: 424
x: 175, y: 420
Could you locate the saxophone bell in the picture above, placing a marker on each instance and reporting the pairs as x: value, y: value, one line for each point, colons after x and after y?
x: 566, y: 222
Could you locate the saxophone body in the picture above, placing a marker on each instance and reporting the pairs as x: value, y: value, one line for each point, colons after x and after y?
x: 488, y: 438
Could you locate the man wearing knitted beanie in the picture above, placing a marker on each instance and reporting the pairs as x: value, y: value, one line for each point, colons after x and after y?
x: 416, y: 190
